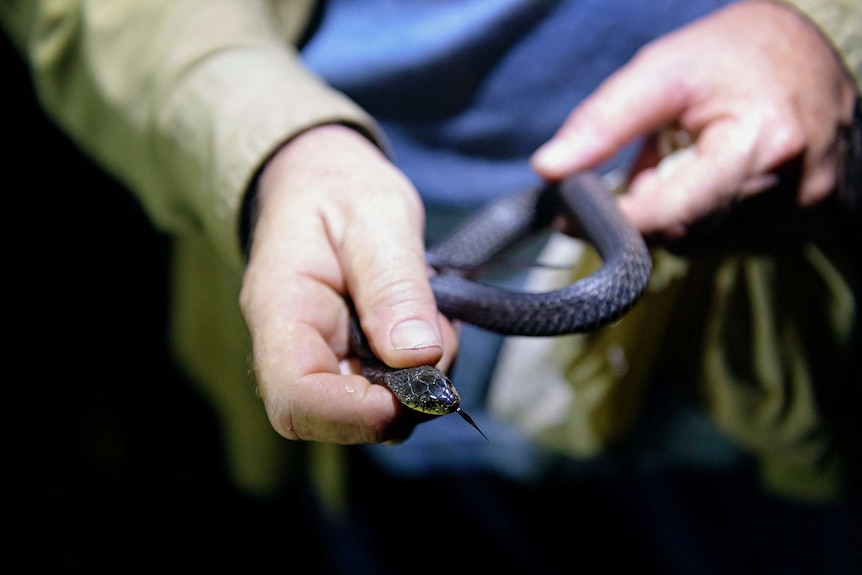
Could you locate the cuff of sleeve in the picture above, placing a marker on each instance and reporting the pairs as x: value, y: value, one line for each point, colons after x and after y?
x: 228, y: 115
x: 838, y: 20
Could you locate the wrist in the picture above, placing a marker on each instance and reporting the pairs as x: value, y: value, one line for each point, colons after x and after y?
x: 318, y: 140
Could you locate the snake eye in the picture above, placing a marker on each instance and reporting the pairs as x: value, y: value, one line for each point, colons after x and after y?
x: 435, y: 392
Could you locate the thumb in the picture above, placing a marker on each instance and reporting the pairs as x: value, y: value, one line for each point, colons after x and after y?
x: 383, y: 258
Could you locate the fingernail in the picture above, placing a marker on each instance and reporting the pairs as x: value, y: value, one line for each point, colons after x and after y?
x: 414, y: 334
x: 552, y: 154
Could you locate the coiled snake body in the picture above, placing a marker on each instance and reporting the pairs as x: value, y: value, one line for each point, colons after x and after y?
x: 584, y: 305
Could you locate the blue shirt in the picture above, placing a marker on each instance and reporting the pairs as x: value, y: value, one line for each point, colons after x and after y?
x: 466, y: 90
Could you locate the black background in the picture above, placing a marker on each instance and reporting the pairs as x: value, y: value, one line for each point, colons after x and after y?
x: 110, y: 461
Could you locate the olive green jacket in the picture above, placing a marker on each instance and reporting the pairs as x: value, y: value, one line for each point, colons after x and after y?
x: 183, y: 100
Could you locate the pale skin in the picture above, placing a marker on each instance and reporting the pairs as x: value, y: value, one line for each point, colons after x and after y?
x: 754, y: 84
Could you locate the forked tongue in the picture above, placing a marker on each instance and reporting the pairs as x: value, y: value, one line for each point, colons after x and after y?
x: 469, y: 420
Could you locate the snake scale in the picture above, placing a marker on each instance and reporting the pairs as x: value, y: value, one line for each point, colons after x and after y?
x: 585, y: 305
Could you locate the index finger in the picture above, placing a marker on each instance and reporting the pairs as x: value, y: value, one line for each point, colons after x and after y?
x: 641, y: 97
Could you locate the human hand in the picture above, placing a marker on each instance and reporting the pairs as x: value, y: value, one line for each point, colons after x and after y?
x: 336, y: 219
x: 755, y: 86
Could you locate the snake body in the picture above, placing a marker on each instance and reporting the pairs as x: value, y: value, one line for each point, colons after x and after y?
x: 585, y: 305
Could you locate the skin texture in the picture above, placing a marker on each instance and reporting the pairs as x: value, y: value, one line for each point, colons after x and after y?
x: 754, y: 84
x: 336, y: 218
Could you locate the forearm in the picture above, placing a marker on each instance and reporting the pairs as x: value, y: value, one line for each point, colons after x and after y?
x: 181, y: 100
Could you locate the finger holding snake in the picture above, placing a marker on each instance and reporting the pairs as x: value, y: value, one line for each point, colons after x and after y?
x: 337, y: 268
x: 337, y: 222
x: 749, y: 114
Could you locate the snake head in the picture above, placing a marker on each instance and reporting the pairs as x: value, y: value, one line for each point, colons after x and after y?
x: 428, y: 390
x: 424, y: 388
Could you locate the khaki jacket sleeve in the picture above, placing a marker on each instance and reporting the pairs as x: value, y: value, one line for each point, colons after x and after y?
x: 181, y: 100
x: 840, y: 21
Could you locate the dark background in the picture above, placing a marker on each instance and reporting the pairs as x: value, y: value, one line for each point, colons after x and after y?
x: 110, y: 460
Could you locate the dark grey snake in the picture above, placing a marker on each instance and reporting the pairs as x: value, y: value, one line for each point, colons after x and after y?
x: 585, y: 305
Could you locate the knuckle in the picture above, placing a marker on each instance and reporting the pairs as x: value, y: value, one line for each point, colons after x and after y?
x: 281, y: 419
x: 817, y: 184
x: 398, y: 293
x: 787, y: 142
x: 782, y: 138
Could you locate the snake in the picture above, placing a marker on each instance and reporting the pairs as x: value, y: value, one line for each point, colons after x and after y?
x: 587, y: 304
